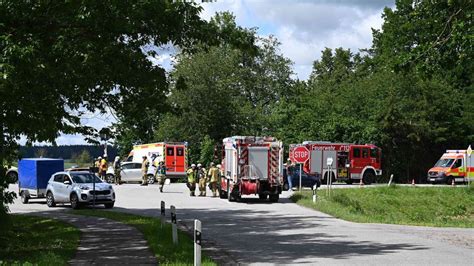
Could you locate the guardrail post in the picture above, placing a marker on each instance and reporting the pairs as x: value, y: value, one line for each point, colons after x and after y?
x: 174, y: 227
x: 197, y: 243
x: 315, y: 197
x: 162, y: 213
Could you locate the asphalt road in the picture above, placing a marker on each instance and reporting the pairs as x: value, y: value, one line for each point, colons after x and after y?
x: 254, y: 232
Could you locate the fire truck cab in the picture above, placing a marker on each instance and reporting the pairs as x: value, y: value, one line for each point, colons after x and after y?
x: 453, y: 166
x: 251, y: 166
x: 350, y: 162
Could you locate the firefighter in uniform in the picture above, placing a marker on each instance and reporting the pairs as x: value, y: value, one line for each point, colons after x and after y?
x: 103, y: 167
x: 161, y: 174
x: 117, y: 169
x: 145, y: 165
x: 213, y: 176
x: 202, y: 180
x: 192, y: 174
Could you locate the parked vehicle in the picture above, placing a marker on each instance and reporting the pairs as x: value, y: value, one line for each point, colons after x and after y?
x: 172, y: 153
x: 131, y: 172
x: 351, y: 162
x: 307, y: 180
x: 252, y: 165
x: 77, y: 188
x: 454, y: 165
x: 34, y: 174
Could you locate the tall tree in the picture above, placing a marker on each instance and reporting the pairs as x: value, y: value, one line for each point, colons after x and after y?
x: 61, y: 58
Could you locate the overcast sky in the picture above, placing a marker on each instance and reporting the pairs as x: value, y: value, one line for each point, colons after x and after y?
x: 304, y: 28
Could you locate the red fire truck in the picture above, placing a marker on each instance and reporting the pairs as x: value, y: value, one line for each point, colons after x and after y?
x: 350, y: 162
x: 252, y: 166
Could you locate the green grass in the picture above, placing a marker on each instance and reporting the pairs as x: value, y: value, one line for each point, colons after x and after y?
x: 31, y: 240
x: 427, y: 206
x: 159, y: 240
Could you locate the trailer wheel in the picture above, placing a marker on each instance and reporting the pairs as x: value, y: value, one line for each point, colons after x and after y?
x: 262, y: 196
x: 274, y: 197
x: 75, y: 204
x: 50, y: 199
x: 24, y: 198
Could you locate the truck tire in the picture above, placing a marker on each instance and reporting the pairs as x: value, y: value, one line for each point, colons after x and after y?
x: 274, y: 197
x: 263, y: 196
x: 24, y: 198
x: 369, y: 178
x: 50, y: 199
x: 75, y: 204
x: 449, y: 180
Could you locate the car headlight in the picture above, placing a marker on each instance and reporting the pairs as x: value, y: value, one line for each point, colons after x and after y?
x: 84, y: 187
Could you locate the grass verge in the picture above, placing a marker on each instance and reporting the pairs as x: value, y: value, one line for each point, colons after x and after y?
x: 31, y: 240
x: 427, y: 206
x: 159, y: 239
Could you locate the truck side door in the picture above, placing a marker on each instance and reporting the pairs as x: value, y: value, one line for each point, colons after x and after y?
x: 170, y: 159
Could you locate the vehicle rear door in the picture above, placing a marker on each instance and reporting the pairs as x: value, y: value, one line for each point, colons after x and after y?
x: 180, y: 159
x: 170, y: 159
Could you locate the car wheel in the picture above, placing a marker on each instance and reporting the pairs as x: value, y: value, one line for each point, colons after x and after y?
x: 369, y: 178
x: 24, y: 198
x: 12, y: 177
x: 109, y: 205
x: 274, y: 197
x: 50, y: 199
x: 150, y: 179
x: 110, y: 178
x: 75, y: 204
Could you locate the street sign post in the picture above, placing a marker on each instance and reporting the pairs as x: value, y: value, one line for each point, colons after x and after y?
x: 300, y: 155
x: 174, y: 227
x: 197, y: 243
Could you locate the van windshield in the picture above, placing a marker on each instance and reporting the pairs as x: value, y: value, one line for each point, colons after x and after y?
x: 85, y: 178
x: 444, y: 162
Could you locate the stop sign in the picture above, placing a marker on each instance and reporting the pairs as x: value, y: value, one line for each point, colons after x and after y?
x: 300, y: 154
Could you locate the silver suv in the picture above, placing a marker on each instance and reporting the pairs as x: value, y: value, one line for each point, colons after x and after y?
x: 76, y: 187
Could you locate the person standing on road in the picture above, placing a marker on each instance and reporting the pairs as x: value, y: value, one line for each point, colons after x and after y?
x: 289, y: 174
x: 213, y: 176
x: 97, y: 165
x: 202, y: 180
x: 161, y: 174
x: 117, y: 169
x: 145, y: 165
x: 103, y: 167
x: 192, y: 174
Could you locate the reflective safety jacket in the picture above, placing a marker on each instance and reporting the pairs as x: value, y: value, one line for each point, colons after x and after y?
x: 191, y: 175
x: 213, y: 174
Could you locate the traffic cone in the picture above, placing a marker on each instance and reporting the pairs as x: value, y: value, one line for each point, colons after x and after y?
x: 452, y: 182
x: 413, y: 182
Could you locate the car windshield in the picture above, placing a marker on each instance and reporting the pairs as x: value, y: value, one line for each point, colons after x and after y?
x: 85, y: 178
x: 444, y: 162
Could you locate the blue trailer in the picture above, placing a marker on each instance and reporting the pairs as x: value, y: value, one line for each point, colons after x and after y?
x: 34, y: 174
